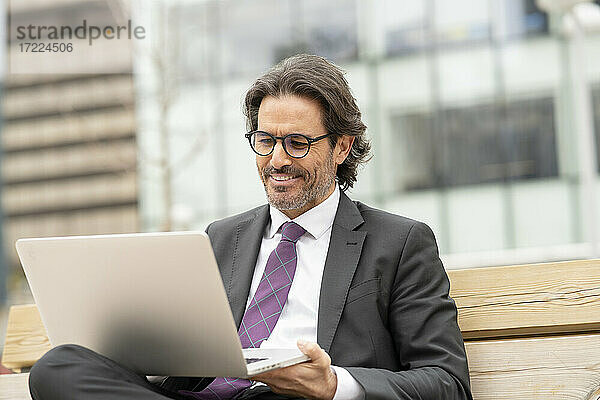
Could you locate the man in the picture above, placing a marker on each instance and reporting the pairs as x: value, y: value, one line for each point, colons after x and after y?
x: 362, y: 291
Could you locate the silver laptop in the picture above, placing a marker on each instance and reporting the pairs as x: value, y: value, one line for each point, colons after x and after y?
x: 153, y: 302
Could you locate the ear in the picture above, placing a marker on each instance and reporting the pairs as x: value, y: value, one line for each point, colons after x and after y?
x: 342, y: 148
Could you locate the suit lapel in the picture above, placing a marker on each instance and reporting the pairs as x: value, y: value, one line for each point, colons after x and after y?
x: 249, y: 234
x: 344, y: 252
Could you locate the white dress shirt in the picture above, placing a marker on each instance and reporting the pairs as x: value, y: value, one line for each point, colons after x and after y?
x: 298, y: 320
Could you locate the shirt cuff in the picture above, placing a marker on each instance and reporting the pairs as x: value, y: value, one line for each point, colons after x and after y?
x: 348, y: 388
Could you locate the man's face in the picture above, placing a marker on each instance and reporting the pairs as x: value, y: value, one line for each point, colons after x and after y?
x: 295, y: 185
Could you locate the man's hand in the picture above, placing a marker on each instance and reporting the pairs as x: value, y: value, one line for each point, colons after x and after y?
x: 312, y: 379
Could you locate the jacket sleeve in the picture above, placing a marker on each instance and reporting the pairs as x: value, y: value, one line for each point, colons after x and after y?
x: 422, y: 320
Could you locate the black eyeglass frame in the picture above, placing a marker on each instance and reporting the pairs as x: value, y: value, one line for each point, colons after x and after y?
x: 282, y: 138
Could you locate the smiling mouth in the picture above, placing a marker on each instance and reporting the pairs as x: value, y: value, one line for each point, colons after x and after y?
x: 282, y: 178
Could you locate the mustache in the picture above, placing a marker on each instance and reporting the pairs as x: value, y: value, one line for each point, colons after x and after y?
x: 286, y: 169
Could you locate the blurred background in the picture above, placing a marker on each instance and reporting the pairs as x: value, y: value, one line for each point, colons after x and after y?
x: 484, y: 117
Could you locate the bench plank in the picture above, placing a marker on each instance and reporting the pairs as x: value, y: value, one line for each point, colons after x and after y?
x: 494, y: 303
x: 553, y: 368
x: 14, y: 387
x: 558, y: 368
x: 26, y: 338
x: 526, y: 300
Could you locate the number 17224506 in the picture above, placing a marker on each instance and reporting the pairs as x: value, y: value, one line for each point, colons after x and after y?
x: 46, y: 47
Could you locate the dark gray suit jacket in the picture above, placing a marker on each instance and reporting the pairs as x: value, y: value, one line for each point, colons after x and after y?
x: 384, y: 311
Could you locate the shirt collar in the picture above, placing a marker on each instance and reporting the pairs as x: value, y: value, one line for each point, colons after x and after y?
x: 315, y: 221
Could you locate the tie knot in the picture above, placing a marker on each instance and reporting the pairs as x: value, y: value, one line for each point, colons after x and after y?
x: 291, y: 231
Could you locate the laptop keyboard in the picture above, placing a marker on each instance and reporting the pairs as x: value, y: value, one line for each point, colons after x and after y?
x: 253, y: 360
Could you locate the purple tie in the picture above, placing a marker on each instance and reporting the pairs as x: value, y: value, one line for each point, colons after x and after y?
x: 263, y: 311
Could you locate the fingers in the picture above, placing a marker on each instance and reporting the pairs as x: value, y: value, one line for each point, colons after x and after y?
x: 310, y: 379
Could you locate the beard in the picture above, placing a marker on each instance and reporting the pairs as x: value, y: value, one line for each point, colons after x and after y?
x: 314, y: 186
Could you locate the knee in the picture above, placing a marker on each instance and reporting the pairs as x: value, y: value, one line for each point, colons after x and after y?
x: 53, y: 371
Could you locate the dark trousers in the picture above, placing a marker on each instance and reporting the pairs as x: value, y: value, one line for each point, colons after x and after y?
x: 75, y: 372
x: 71, y: 372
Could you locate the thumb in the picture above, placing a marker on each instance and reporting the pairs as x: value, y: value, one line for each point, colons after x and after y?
x: 313, y: 350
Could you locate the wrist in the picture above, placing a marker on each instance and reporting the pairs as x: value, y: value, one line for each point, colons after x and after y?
x: 331, y: 385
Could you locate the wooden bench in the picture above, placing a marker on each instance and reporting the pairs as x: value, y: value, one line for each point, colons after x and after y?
x: 531, y: 332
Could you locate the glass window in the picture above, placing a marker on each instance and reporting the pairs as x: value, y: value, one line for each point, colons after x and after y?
x: 246, y: 38
x: 405, y: 26
x: 522, y: 17
x: 411, y: 26
x: 233, y: 37
x: 327, y: 28
x: 461, y: 20
x: 482, y: 143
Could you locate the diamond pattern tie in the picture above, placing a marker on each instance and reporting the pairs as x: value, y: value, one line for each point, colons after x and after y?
x: 263, y: 311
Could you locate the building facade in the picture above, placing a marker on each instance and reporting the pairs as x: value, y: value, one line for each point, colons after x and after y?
x: 468, y: 105
x: 69, y: 148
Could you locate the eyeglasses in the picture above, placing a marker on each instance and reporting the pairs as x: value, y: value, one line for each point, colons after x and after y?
x: 295, y: 145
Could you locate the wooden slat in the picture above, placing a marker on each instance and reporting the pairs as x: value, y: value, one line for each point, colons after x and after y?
x: 492, y: 302
x: 555, y: 368
x: 559, y: 368
x: 14, y: 387
x: 26, y: 337
x: 528, y: 299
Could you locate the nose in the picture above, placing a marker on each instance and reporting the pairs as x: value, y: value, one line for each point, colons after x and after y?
x: 279, y: 157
